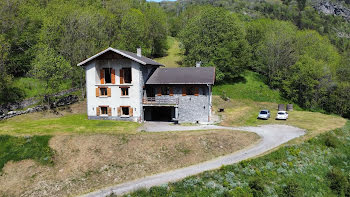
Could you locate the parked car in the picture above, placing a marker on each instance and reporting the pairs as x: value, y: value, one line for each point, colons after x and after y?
x: 264, y: 114
x: 282, y: 115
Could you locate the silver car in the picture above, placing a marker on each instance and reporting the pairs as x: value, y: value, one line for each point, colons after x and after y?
x: 264, y: 114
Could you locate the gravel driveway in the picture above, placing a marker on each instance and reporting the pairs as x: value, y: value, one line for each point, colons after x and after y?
x: 271, y: 137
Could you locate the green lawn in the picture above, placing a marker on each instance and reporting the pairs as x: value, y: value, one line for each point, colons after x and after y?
x: 75, y: 123
x: 318, y: 167
x: 174, y: 56
x: 252, y: 87
x: 20, y: 148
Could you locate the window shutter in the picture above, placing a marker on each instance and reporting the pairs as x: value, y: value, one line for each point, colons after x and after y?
x: 183, y: 91
x: 97, y: 92
x: 109, y: 111
x: 113, y: 76
x: 159, y: 91
x: 121, y: 76
x: 196, y: 91
x: 171, y: 91
x: 131, y: 111
x: 119, y: 111
x: 97, y: 111
x: 109, y: 92
x: 102, y: 76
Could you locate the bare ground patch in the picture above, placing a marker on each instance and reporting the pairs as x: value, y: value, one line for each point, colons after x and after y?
x: 87, y: 162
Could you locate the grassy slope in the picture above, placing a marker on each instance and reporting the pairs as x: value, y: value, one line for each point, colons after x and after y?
x: 250, y: 87
x: 20, y: 148
x: 173, y: 59
x: 34, y: 87
x: 314, y: 168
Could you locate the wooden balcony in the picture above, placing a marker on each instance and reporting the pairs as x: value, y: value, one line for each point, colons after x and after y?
x: 159, y: 101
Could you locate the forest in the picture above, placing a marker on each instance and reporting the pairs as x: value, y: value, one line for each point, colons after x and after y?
x: 296, y: 49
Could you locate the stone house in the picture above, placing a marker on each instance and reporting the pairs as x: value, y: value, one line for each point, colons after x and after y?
x: 122, y: 85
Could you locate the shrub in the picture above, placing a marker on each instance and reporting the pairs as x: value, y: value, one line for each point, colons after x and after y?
x: 158, y: 191
x: 239, y: 192
x: 257, y: 186
x: 292, y: 189
x: 331, y: 141
x: 338, y: 182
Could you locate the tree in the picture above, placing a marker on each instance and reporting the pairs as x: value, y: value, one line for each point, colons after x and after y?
x: 216, y: 37
x: 51, y: 68
x: 274, y: 49
x: 8, y: 93
x: 133, y: 32
x: 309, y: 83
x: 157, y: 30
x: 318, y: 47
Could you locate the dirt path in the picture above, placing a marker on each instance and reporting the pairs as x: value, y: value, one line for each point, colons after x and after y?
x: 271, y: 137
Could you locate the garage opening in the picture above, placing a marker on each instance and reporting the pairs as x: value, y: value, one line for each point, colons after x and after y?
x: 164, y: 114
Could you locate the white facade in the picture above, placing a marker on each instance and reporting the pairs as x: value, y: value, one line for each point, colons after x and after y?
x: 116, y: 99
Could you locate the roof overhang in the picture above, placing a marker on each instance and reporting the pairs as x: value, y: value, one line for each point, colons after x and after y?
x: 114, y: 50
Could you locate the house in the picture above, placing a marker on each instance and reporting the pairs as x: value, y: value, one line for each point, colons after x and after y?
x: 122, y: 85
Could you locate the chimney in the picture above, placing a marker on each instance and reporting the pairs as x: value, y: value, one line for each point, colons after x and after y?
x: 139, y: 52
x: 198, y: 64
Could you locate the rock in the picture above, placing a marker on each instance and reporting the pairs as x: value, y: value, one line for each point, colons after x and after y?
x: 332, y: 8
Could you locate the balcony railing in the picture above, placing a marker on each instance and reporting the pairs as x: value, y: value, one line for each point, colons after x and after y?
x: 160, y: 101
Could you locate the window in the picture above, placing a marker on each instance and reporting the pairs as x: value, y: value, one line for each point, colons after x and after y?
x: 204, y: 91
x: 104, y: 111
x: 103, y: 91
x: 165, y: 90
x: 125, y: 111
x: 125, y: 75
x: 189, y: 91
x: 125, y: 91
x: 108, y: 75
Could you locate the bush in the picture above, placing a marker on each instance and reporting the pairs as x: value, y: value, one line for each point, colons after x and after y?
x: 338, y: 182
x: 158, y: 191
x: 292, y: 189
x: 331, y: 141
x: 239, y: 192
x: 257, y: 186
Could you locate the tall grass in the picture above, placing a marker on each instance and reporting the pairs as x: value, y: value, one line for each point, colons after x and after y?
x: 317, y: 167
x: 19, y: 148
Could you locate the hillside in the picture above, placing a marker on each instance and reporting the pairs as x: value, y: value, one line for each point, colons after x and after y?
x: 173, y: 57
x: 313, y: 168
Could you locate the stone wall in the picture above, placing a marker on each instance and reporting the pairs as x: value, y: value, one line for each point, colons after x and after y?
x: 66, y: 100
x: 5, y: 108
x: 192, y: 108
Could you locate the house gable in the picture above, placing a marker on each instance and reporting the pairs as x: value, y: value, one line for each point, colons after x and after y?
x: 126, y: 54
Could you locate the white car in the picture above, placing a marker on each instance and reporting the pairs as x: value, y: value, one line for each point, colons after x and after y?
x: 282, y: 115
x: 264, y: 114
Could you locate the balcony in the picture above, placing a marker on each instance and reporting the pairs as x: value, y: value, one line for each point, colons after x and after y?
x: 159, y: 101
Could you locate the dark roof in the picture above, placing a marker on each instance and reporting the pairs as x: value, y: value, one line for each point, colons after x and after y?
x: 133, y: 56
x: 142, y: 58
x: 183, y: 75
